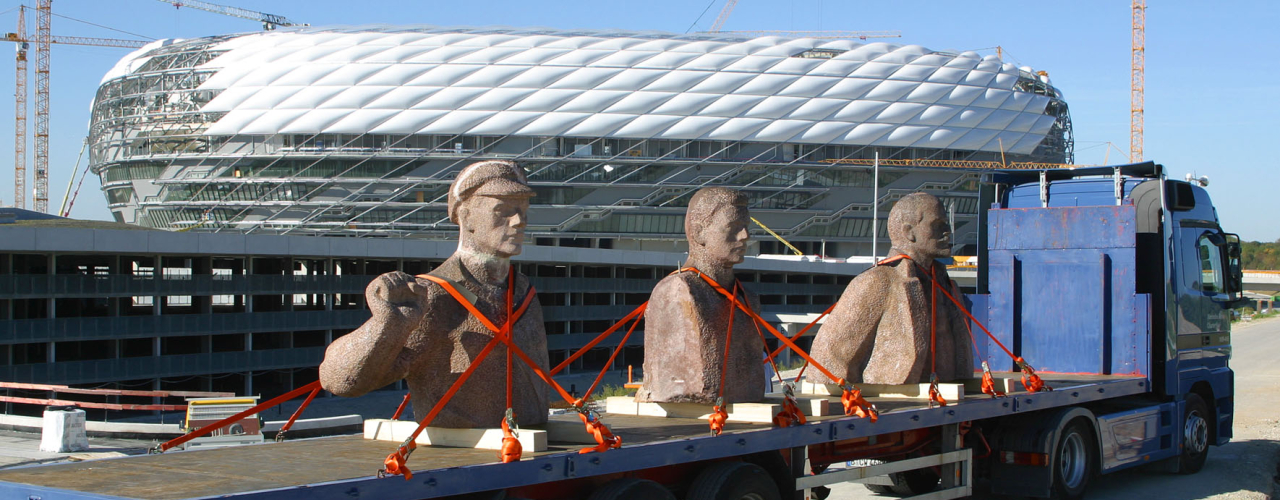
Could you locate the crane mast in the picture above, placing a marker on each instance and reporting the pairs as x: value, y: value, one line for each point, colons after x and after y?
x: 43, y: 19
x: 1136, y: 104
x: 42, y: 40
x: 20, y: 116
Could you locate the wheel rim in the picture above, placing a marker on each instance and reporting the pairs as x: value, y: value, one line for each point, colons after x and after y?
x: 1071, y: 461
x: 1196, y: 434
x: 751, y: 496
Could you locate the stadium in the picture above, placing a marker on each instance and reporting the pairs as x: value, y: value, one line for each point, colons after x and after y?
x: 358, y: 131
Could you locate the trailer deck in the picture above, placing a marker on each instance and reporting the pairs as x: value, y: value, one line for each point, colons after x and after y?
x: 344, y: 466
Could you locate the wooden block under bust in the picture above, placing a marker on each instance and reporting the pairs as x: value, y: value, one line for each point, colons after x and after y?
x: 950, y: 392
x: 738, y: 412
x: 484, y: 439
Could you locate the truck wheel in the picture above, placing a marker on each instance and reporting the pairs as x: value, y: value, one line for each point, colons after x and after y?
x: 733, y: 481
x: 1075, y: 459
x: 630, y: 488
x: 1195, y: 435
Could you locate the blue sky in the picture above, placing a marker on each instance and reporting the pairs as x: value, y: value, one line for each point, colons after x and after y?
x: 1211, y: 77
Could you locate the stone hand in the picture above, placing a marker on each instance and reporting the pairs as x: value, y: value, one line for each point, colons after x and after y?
x: 397, y: 297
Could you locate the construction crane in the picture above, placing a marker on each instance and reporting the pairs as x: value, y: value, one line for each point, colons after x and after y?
x: 42, y: 40
x: 724, y: 15
x: 1136, y: 105
x: 20, y: 113
x: 269, y: 21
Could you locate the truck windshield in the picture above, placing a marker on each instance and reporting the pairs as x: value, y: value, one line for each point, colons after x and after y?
x: 1211, y: 277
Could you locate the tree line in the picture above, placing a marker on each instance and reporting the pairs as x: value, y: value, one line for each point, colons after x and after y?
x: 1258, y: 255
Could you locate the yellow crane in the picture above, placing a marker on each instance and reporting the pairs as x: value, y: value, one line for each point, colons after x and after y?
x: 41, y: 40
x: 1138, y: 85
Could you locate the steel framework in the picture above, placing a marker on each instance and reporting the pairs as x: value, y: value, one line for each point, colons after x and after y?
x: 20, y: 115
x: 1136, y: 104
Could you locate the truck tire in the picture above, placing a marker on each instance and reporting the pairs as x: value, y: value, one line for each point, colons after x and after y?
x: 1075, y: 457
x: 1195, y: 435
x: 630, y: 488
x: 733, y: 481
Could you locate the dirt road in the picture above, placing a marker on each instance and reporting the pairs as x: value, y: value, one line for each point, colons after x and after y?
x: 1243, y: 469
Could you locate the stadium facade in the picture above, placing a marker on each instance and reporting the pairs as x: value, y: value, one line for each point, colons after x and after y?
x: 358, y: 131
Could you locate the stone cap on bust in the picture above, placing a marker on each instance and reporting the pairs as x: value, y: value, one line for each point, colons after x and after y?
x: 488, y: 178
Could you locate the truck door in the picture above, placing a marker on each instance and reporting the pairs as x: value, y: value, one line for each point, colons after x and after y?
x: 1204, y: 314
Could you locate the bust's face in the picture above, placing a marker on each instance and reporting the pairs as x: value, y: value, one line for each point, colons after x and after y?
x: 725, y: 236
x: 494, y: 225
x: 933, y: 234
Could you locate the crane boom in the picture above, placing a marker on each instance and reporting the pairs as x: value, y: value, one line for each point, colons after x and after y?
x: 269, y: 21
x: 724, y: 15
x: 79, y: 40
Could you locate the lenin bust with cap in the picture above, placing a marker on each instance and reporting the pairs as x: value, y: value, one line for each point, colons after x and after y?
x: 422, y: 333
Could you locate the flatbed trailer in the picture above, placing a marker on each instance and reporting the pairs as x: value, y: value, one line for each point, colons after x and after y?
x: 1116, y: 281
x: 345, y: 466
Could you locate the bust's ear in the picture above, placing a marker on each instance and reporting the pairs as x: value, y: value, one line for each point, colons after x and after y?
x: 908, y: 233
x: 464, y: 213
x: 696, y: 238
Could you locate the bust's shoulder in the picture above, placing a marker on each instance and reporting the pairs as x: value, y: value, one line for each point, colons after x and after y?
x: 676, y: 283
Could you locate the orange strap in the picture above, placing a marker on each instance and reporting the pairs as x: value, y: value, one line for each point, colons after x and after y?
x: 511, y: 448
x: 790, y: 414
x: 395, y: 462
x: 613, y: 356
x: 988, y: 383
x: 400, y: 409
x: 1030, y: 380
x: 855, y: 404
x: 203, y: 431
x: 637, y: 313
x: 863, y: 408
x: 935, y: 396
x: 471, y: 308
x: 802, y: 331
x: 294, y: 418
x: 604, y: 438
x: 718, y: 417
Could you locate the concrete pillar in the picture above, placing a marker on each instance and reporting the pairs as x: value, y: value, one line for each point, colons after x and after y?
x: 53, y: 303
x: 157, y: 274
x: 202, y: 269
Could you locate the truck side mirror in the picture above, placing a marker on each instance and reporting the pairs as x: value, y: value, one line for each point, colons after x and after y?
x: 1235, y: 274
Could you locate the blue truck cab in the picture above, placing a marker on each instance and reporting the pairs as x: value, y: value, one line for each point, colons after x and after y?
x: 1119, y: 270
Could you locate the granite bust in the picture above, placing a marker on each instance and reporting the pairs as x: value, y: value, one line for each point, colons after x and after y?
x: 421, y: 334
x: 879, y: 331
x: 687, y: 321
